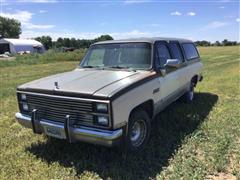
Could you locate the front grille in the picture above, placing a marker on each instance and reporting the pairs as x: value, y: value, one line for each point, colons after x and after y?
x: 56, y: 109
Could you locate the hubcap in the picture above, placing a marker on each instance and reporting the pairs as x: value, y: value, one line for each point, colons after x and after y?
x: 191, y: 92
x: 191, y: 95
x: 138, y: 133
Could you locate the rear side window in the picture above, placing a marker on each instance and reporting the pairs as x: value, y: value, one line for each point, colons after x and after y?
x: 176, y: 51
x: 190, y: 51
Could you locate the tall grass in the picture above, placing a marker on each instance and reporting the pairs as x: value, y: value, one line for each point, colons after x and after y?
x: 48, y: 57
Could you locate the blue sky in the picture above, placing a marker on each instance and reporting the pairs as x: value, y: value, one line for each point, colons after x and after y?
x: 196, y: 20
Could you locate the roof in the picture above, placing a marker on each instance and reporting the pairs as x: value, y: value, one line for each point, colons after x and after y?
x: 22, y: 41
x: 144, y: 39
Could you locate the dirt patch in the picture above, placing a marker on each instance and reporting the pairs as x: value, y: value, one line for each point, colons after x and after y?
x: 7, y: 58
x: 222, y: 176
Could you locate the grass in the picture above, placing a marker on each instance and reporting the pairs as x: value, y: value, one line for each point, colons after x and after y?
x: 196, y: 141
x: 49, y: 57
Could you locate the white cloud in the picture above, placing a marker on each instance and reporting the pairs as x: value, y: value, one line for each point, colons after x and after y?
x: 89, y: 35
x: 136, y: 1
x: 222, y: 7
x: 37, y: 26
x: 238, y: 19
x: 103, y: 24
x: 154, y: 25
x: 191, y: 14
x: 37, y: 1
x: 22, y: 16
x: 225, y: 1
x: 176, y: 13
x: 25, y: 18
x: 132, y: 34
x: 214, y: 25
x: 42, y: 11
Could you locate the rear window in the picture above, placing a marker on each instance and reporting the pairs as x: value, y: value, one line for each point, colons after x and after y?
x: 190, y: 51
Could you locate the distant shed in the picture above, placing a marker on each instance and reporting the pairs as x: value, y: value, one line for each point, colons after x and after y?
x: 14, y: 46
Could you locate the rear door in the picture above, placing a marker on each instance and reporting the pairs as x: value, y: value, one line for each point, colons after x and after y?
x: 177, y: 53
x: 169, y: 83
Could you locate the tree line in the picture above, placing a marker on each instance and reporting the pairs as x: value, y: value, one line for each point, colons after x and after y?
x: 225, y: 42
x: 70, y: 42
x: 11, y: 28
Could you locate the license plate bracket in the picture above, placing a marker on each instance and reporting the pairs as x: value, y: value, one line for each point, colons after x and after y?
x: 54, y: 131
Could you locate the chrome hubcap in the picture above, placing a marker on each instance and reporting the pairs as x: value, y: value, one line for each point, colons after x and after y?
x: 191, y: 92
x: 138, y: 133
x: 191, y: 95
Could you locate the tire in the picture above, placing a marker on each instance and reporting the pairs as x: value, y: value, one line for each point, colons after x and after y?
x: 139, y: 129
x: 189, y: 95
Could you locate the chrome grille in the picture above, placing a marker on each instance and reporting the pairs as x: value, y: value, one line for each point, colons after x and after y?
x: 56, y: 109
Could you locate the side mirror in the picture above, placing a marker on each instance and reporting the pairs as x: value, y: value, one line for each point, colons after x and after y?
x: 172, y: 63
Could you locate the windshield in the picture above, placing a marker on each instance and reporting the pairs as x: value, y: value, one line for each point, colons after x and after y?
x: 121, y: 55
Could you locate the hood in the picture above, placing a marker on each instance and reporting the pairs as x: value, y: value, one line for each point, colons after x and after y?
x: 85, y: 81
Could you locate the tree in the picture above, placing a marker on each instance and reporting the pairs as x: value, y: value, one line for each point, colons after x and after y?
x: 59, y: 42
x: 217, y: 43
x: 66, y: 42
x: 103, y: 38
x: 46, y: 41
x: 9, y: 28
x: 203, y: 43
x: 225, y: 42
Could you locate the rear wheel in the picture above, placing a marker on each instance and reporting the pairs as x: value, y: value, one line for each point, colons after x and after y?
x: 139, y: 128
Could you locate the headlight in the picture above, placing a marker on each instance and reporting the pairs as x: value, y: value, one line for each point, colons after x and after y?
x: 103, y: 120
x: 23, y: 97
x: 102, y: 108
x: 25, y: 107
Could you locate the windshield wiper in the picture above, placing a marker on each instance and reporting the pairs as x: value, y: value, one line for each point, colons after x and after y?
x: 118, y: 67
x: 121, y: 67
x: 89, y: 66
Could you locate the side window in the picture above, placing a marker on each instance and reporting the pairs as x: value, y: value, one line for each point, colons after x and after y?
x: 190, y: 51
x: 176, y: 51
x: 162, y: 55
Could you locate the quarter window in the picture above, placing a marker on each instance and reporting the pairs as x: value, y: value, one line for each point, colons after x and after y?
x: 190, y: 51
x: 176, y: 51
x: 162, y: 55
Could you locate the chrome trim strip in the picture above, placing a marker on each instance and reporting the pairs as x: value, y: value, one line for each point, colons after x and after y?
x: 63, y: 97
x: 33, y: 117
x: 66, y: 128
x: 103, y: 134
x: 92, y: 135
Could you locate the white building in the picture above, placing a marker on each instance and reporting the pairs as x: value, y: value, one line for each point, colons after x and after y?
x: 14, y: 46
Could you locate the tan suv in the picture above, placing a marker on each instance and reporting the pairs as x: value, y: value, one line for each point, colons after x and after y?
x: 114, y: 93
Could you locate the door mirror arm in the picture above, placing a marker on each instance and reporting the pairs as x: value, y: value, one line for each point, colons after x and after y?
x: 162, y: 71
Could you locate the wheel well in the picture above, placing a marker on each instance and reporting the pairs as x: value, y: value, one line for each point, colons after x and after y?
x: 194, y: 80
x: 147, y: 106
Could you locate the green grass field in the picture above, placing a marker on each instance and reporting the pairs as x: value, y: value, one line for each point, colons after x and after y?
x: 196, y: 141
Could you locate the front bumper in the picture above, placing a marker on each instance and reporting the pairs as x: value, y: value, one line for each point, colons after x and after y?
x: 72, y: 134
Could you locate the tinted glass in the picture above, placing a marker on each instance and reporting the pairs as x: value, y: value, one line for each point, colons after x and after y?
x: 176, y: 51
x: 124, y: 55
x: 162, y: 55
x: 190, y: 51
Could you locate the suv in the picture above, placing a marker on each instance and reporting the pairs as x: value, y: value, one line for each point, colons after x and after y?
x: 113, y: 95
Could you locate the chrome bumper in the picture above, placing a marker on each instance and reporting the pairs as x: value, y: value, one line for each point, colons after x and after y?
x: 86, y: 134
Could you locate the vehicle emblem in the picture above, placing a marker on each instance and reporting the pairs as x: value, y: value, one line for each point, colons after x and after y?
x: 56, y: 85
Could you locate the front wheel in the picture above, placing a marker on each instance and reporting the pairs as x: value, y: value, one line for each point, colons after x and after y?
x: 139, y: 128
